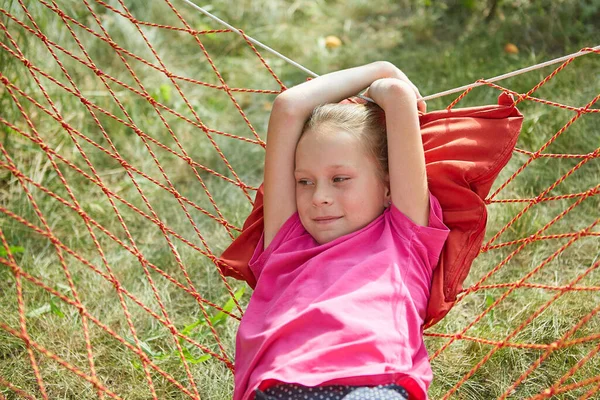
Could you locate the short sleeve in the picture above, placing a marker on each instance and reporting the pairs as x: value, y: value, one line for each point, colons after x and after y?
x: 261, y: 255
x: 432, y: 237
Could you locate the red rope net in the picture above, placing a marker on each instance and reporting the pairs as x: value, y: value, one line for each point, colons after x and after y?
x: 123, y: 178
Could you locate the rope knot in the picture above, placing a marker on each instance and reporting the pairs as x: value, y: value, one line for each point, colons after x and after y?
x: 123, y: 163
x: 59, y: 12
x: 64, y: 124
x: 44, y: 146
x: 115, y: 282
x: 98, y: 72
x: 26, y: 62
x: 81, y: 309
x: 17, y: 173
x: 44, y: 39
x: 4, y: 79
x: 145, y: 359
x: 54, y: 240
x: 82, y: 213
x: 188, y: 160
x: 151, y: 100
x: 197, y: 297
x: 140, y: 257
x: 85, y: 101
x: 173, y: 330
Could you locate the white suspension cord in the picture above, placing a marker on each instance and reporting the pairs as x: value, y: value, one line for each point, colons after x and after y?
x: 256, y: 42
x: 431, y: 96
x: 510, y: 74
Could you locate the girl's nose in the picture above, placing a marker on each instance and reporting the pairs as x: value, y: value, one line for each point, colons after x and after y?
x: 321, y: 196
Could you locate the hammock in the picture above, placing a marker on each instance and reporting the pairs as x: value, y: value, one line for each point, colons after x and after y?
x: 124, y: 179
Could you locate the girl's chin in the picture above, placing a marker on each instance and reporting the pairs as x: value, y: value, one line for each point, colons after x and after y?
x: 326, y: 237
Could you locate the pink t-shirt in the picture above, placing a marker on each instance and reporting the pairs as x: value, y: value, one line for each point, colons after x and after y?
x: 348, y: 312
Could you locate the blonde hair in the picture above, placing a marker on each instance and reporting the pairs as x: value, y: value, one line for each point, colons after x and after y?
x: 365, y: 121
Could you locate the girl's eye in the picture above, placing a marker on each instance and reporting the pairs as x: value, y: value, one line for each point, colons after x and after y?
x: 304, y: 182
x: 340, y: 179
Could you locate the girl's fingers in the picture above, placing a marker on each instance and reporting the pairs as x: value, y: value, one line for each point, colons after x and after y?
x: 421, y: 105
x: 405, y: 79
x: 416, y: 91
x: 402, y: 76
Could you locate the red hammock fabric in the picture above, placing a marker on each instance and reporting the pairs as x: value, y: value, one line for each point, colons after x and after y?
x: 465, y: 150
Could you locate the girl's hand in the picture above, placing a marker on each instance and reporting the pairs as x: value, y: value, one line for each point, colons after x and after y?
x: 384, y: 90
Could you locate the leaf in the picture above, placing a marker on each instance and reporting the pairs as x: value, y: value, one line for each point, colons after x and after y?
x: 200, y: 359
x: 146, y: 348
x: 162, y: 356
x: 10, y: 131
x: 190, y: 358
x: 469, y: 4
x: 136, y: 365
x: 39, y: 311
x: 12, y: 249
x: 218, y: 319
x: 187, y: 330
x: 221, y: 316
x: 65, y: 288
x: 55, y: 309
x: 143, y: 345
x: 165, y: 92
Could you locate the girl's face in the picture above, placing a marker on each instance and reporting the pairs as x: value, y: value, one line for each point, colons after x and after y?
x: 338, y: 186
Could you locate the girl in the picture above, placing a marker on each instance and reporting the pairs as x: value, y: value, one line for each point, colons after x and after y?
x: 350, y: 241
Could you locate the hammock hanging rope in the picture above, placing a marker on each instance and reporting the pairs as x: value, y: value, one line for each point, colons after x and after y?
x: 429, y: 97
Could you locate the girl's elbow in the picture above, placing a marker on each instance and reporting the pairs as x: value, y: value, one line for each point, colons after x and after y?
x: 284, y: 104
x: 291, y: 107
x: 289, y: 99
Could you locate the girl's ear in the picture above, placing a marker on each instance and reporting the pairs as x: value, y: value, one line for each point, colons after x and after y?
x: 387, y: 197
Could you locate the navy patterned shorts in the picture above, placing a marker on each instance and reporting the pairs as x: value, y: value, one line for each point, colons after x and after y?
x: 334, y: 392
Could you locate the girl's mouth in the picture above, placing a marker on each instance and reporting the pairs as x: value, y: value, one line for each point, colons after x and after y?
x: 326, y: 220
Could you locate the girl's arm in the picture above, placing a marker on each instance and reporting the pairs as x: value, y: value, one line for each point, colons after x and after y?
x: 406, y: 159
x: 290, y: 111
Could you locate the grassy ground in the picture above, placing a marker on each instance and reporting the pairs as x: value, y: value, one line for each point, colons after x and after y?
x: 439, y: 45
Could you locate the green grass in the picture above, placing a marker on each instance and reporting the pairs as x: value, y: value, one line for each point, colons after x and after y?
x: 439, y: 45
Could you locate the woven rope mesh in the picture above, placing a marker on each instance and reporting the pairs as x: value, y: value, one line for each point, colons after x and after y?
x: 125, y: 171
